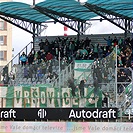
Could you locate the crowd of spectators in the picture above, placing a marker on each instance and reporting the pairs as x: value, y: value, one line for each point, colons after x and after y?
x: 104, y: 70
x: 39, y: 63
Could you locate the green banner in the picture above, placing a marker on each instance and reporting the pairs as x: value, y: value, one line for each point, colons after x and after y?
x: 47, y: 97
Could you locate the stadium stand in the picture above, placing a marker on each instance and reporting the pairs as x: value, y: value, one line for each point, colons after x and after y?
x: 51, y: 62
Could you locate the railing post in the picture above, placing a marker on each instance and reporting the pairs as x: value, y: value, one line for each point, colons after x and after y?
x: 19, y: 58
x: 26, y: 50
x: 70, y: 68
x: 63, y: 77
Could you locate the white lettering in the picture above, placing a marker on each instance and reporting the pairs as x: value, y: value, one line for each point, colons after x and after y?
x: 8, y: 114
x: 72, y: 114
x: 92, y: 114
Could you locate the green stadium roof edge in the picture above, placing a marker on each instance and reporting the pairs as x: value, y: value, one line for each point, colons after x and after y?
x: 66, y: 8
x: 69, y: 13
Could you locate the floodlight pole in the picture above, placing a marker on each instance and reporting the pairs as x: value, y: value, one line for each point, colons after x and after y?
x: 78, y: 35
x: 116, y: 76
x: 132, y: 90
x: 33, y: 29
x: 33, y: 2
x: 59, y: 74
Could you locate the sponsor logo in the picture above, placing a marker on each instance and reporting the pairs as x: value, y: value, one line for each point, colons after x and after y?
x: 42, y: 113
x: 93, y: 114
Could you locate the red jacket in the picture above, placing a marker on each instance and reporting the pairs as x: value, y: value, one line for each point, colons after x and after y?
x: 49, y: 56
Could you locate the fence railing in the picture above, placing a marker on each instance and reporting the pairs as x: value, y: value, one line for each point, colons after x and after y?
x: 16, y: 59
x: 63, y: 77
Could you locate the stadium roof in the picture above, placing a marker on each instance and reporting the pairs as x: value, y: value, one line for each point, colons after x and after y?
x: 65, y: 8
x: 121, y: 7
x: 70, y: 9
x: 22, y: 11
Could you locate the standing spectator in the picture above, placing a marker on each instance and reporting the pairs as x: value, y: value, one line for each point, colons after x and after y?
x: 95, y: 50
x: 14, y: 70
x: 5, y: 71
x: 81, y: 87
x: 72, y: 86
x: 49, y: 68
x: 11, y: 78
x: 109, y: 43
x: 46, y: 47
x: 33, y: 52
x: 87, y: 42
x: 63, y: 63
x: 23, y: 59
x: 71, y: 48
x: 30, y: 59
x: 41, y: 44
x: 39, y: 74
x: 6, y: 79
x: 105, y: 101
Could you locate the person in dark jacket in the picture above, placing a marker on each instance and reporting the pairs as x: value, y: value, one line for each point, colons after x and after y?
x: 81, y: 87
x: 6, y: 80
x: 41, y: 44
x: 5, y: 71
x: 72, y: 86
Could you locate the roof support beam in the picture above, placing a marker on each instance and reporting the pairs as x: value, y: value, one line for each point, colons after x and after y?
x: 68, y: 21
x: 24, y: 25
x: 114, y: 18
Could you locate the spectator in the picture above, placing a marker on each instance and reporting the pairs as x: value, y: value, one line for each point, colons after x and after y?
x: 49, y: 68
x: 105, y: 101
x: 6, y: 79
x: 41, y: 44
x: 33, y: 52
x: 49, y: 77
x: 14, y: 70
x: 71, y: 48
x: 5, y: 71
x: 43, y: 55
x: 72, y: 86
x: 49, y: 56
x: 63, y: 63
x: 39, y: 74
x: 81, y: 87
x: 109, y: 42
x: 87, y: 42
x: 11, y: 78
x: 23, y: 59
x: 46, y: 47
x: 43, y: 66
x: 95, y: 50
x: 30, y: 74
x: 30, y: 58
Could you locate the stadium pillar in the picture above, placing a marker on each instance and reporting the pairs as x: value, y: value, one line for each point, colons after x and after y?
x: 127, y: 27
x: 78, y: 35
x: 125, y: 34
